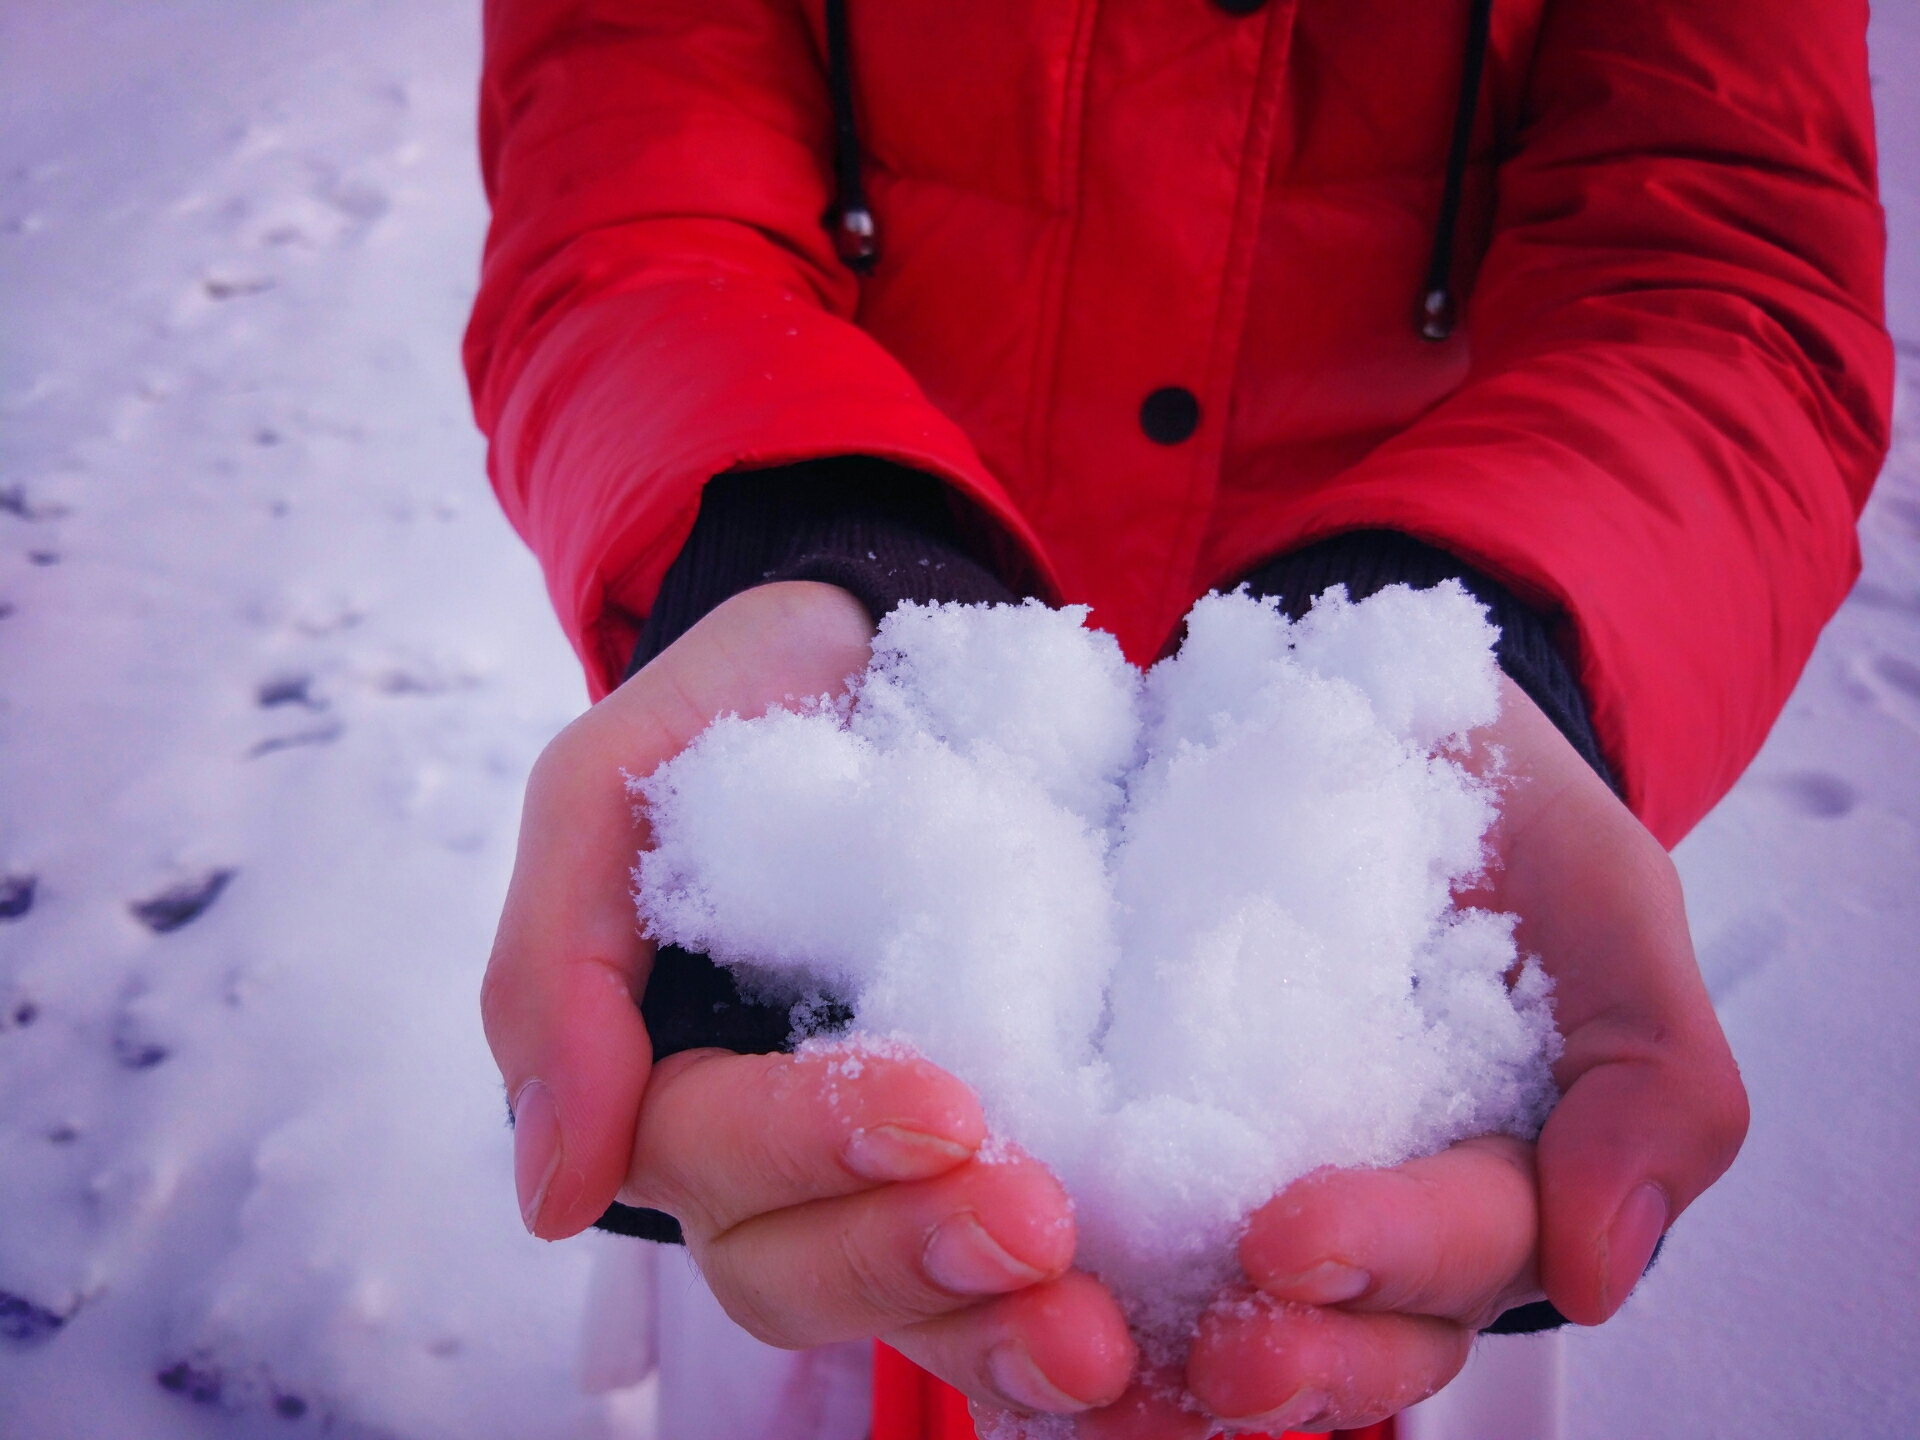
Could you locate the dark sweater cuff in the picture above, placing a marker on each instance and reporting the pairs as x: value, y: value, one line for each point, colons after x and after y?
x: 884, y: 533
x: 1367, y: 561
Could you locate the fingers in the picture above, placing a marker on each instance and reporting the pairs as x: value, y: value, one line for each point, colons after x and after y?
x: 892, y: 1256
x: 836, y: 1193
x: 1416, y: 1259
x: 723, y: 1138
x: 1260, y: 1365
x: 1450, y: 1236
x: 1057, y: 1348
x: 1154, y: 1407
x: 568, y: 960
x: 1375, y: 1281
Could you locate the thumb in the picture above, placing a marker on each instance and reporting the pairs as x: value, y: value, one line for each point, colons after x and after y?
x: 560, y: 999
x: 1652, y: 1110
x: 1631, y: 1144
x: 560, y: 996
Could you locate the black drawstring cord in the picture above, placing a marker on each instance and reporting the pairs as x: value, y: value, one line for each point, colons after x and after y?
x: 847, y: 218
x: 1437, y: 303
x: 856, y: 240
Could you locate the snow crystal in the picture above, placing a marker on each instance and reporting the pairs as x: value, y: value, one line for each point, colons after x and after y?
x: 1190, y: 934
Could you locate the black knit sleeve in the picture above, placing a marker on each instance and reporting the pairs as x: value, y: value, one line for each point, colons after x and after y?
x: 885, y: 533
x: 1367, y: 561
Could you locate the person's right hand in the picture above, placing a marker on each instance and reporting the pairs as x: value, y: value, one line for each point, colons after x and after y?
x: 822, y: 1200
x: 840, y: 1193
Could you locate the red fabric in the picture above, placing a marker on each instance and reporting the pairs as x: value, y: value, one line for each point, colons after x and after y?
x: 910, y: 1404
x: 1665, y: 407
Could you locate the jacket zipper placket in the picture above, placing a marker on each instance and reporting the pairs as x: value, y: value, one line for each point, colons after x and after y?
x: 1174, y: 591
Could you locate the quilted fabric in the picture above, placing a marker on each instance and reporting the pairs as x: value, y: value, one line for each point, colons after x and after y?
x: 1662, y: 412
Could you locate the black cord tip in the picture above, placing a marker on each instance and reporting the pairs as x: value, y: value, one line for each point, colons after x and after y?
x: 1436, y: 314
x: 854, y: 238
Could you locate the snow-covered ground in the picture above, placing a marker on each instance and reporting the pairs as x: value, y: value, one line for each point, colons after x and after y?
x: 259, y: 617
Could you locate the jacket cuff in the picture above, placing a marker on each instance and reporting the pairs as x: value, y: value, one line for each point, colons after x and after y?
x: 1367, y: 561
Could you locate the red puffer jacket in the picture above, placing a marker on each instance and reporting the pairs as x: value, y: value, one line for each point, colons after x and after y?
x: 1658, y: 420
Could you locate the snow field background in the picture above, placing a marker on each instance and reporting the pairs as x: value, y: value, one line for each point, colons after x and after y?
x: 258, y: 614
x: 262, y: 618
x: 1189, y: 935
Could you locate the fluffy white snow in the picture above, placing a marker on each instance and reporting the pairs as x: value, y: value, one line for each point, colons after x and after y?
x: 1190, y: 935
x: 236, y: 246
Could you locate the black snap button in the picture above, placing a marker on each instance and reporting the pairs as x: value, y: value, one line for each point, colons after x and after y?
x: 1239, y: 7
x: 1170, y: 415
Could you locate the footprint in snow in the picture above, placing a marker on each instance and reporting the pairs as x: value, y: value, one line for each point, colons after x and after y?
x: 200, y: 1381
x: 292, y: 687
x: 1741, y: 950
x: 296, y: 690
x: 360, y: 204
x: 1815, y: 794
x: 424, y: 677
x: 24, y: 1324
x: 1903, y: 510
x: 235, y: 289
x: 1902, y: 675
x: 181, y: 904
x: 203, y: 1381
x: 133, y: 1048
x: 15, y: 501
x: 324, y: 734
x: 1879, y: 597
x: 16, y: 895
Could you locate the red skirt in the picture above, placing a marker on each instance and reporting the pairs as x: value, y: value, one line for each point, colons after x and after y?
x: 910, y: 1404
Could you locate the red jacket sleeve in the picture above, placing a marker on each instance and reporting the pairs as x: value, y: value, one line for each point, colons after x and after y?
x: 659, y: 301
x: 1681, y: 380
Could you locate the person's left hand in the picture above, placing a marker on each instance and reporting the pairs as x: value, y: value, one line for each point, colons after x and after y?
x: 1366, y: 1287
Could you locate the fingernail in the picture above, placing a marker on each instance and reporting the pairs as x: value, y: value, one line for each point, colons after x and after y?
x: 1020, y: 1381
x: 1328, y: 1283
x: 1636, y: 1229
x: 963, y: 1258
x: 892, y: 1152
x: 1303, y: 1405
x: 536, y: 1148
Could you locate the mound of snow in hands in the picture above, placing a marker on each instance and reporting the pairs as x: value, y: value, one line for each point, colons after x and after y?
x: 1190, y: 935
